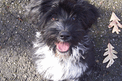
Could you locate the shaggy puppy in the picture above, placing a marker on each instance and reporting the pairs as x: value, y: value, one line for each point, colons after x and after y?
x: 63, y: 49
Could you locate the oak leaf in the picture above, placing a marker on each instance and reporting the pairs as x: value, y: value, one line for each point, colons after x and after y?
x: 111, y: 55
x: 114, y: 22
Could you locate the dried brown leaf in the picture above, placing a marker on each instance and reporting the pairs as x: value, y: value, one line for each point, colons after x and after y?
x: 110, y: 53
x: 114, y: 22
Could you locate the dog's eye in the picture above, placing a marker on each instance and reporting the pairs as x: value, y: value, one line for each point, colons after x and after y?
x: 54, y: 19
x: 73, y: 18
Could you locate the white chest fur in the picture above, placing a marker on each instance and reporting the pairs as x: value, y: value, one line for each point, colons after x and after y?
x: 52, y: 68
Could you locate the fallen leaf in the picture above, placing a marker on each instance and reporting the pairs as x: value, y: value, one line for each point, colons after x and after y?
x: 20, y: 19
x: 114, y: 22
x: 111, y: 55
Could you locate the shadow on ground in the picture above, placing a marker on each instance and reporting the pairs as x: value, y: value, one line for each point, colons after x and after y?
x: 16, y: 36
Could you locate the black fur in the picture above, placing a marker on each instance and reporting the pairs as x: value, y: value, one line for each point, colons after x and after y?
x: 65, y: 21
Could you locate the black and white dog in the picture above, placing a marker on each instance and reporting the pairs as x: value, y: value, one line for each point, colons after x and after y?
x: 63, y: 49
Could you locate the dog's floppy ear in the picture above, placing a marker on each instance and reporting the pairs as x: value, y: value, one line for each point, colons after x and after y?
x: 46, y: 5
x: 37, y: 8
x: 88, y: 13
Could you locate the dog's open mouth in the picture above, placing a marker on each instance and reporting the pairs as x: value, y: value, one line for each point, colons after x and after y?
x: 63, y: 46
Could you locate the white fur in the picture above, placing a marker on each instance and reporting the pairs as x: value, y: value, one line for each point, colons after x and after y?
x: 36, y: 43
x: 51, y: 66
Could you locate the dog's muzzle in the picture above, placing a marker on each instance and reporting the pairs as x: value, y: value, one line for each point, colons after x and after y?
x: 63, y: 45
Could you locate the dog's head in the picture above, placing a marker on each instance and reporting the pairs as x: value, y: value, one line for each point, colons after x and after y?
x: 63, y: 23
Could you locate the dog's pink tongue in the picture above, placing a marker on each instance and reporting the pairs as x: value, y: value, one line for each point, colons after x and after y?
x: 63, y: 46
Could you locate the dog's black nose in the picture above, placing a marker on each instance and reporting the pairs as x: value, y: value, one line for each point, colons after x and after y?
x: 65, y: 36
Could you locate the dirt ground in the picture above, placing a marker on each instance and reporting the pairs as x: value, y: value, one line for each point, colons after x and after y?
x: 16, y: 36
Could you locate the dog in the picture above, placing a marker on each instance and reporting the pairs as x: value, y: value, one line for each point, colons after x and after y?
x: 63, y: 48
